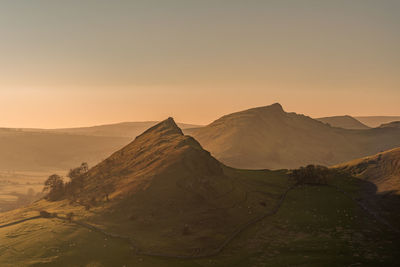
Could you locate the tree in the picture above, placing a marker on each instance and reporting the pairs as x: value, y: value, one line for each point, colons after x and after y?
x: 311, y: 174
x: 78, y: 172
x: 76, y: 175
x: 54, y: 185
x: 45, y: 214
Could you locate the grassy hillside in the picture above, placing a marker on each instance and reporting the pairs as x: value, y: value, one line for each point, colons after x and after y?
x: 165, y: 186
x: 162, y: 195
x: 164, y: 201
x: 314, y: 226
x: 27, y: 152
x: 382, y: 169
x: 269, y: 137
x: 345, y: 122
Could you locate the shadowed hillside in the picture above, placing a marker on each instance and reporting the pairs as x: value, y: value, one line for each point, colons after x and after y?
x: 345, y: 122
x: 269, y: 137
x: 382, y: 193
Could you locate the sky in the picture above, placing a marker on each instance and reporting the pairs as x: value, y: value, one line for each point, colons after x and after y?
x: 80, y: 63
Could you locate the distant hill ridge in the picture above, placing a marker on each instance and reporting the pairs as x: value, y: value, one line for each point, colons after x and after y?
x: 269, y: 137
x: 394, y: 124
x: 122, y: 129
x: 376, y: 121
x: 346, y: 122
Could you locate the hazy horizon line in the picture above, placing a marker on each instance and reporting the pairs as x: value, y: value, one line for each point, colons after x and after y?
x: 113, y: 122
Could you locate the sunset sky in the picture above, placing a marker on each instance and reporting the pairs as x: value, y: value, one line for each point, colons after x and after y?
x: 76, y: 63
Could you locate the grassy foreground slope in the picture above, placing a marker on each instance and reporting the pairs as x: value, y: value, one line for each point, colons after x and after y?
x: 315, y: 226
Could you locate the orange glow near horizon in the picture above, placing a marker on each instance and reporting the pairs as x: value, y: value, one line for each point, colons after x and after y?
x: 58, y: 109
x: 72, y: 64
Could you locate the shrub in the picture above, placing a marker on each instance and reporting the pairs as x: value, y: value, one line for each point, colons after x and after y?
x: 45, y: 214
x: 311, y: 174
x: 76, y: 176
x: 54, y: 185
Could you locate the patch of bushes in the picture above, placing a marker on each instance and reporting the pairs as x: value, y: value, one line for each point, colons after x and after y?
x: 311, y: 174
x: 57, y: 189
